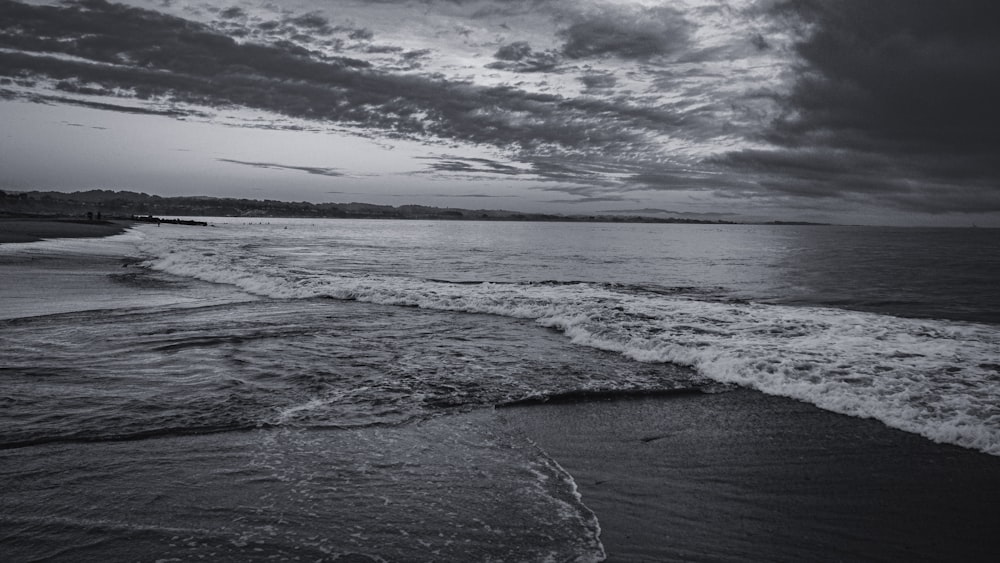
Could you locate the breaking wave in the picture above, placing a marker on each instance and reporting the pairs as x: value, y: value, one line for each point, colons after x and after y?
x: 936, y: 378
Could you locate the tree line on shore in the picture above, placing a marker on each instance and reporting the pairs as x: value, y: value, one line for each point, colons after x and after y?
x: 126, y: 204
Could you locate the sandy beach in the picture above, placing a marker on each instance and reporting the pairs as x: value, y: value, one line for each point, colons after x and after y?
x: 30, y: 230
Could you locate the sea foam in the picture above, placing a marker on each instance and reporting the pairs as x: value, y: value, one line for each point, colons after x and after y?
x: 939, y: 379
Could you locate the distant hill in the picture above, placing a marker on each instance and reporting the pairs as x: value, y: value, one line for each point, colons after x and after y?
x: 125, y: 204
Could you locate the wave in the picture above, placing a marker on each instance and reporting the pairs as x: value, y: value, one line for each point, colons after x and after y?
x: 606, y: 394
x: 930, y: 377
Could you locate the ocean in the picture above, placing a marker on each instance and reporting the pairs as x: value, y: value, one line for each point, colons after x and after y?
x: 300, y: 389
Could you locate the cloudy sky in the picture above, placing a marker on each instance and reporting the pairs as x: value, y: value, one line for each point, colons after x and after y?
x: 855, y: 111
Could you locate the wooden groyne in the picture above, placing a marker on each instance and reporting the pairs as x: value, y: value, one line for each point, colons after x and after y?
x: 158, y: 220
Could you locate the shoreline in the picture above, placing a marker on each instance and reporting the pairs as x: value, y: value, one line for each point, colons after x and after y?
x: 741, y: 475
x: 722, y: 477
x: 14, y: 230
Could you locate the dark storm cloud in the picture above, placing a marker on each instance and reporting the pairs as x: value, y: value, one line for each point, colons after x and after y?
x: 70, y: 124
x: 666, y: 178
x: 466, y: 165
x: 516, y: 51
x: 565, y: 175
x: 590, y: 178
x: 598, y: 81
x: 176, y: 113
x: 233, y: 12
x: 760, y: 42
x: 901, y: 73
x: 476, y: 196
x: 585, y: 192
x: 912, y: 182
x: 319, y: 171
x: 313, y: 21
x: 596, y: 199
x: 896, y: 101
x: 657, y: 211
x: 361, y: 34
x: 156, y: 56
x: 519, y: 57
x: 596, y: 173
x: 633, y: 33
x: 416, y: 54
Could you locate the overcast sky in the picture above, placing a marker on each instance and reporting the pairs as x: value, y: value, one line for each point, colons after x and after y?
x: 856, y: 111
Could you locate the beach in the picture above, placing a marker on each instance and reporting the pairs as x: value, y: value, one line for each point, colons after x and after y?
x: 499, y: 281
x: 708, y: 473
x: 30, y: 230
x: 65, y: 279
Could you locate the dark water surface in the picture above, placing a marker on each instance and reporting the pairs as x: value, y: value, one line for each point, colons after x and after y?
x: 129, y: 374
x: 315, y: 390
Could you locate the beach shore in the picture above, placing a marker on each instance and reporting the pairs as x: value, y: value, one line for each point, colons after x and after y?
x: 31, y: 230
x: 743, y: 476
x: 731, y: 476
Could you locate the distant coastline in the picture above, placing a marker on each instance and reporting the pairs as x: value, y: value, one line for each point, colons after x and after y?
x: 126, y: 204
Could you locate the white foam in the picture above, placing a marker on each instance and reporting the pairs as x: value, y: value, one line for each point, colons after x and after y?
x: 934, y: 378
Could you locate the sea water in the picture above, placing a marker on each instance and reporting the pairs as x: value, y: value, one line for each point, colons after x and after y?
x: 324, y: 388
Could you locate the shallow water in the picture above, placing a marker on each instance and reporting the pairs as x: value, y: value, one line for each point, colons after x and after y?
x: 336, y: 378
x: 749, y: 305
x: 455, y: 489
x: 319, y: 363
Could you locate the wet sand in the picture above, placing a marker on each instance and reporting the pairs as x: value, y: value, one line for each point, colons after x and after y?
x: 743, y: 476
x: 49, y: 282
x: 30, y: 230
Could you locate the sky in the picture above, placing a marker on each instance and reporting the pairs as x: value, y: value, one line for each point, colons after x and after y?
x: 846, y: 111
